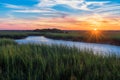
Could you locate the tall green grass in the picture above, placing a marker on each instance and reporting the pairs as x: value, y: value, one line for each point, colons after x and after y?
x: 17, y: 34
x: 55, y: 62
x: 4, y: 42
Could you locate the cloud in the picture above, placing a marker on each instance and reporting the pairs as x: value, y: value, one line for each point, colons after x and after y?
x: 44, y: 7
x: 109, y: 10
x: 13, y: 6
x: 71, y: 3
x: 34, y: 10
x: 75, y: 4
x: 43, y: 12
x: 78, y: 8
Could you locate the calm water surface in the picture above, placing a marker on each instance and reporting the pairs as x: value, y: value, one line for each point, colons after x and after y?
x: 97, y: 48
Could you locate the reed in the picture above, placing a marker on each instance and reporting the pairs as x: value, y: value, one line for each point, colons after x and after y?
x: 54, y: 62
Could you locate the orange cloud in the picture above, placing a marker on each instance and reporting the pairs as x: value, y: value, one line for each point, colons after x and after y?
x: 68, y: 23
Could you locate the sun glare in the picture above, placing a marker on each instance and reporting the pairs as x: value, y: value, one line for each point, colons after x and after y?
x: 95, y: 35
x: 95, y: 29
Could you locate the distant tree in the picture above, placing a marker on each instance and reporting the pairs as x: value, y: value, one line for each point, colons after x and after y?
x: 54, y: 30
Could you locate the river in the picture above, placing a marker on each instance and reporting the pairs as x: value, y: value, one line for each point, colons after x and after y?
x: 95, y: 47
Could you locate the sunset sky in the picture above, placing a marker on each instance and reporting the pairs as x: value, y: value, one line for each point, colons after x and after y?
x: 61, y: 14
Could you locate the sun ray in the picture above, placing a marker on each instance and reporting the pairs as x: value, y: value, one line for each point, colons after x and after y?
x: 95, y: 35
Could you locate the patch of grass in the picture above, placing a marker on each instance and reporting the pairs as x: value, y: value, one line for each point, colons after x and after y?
x: 17, y: 34
x: 4, y: 42
x: 106, y: 37
x: 66, y: 36
x: 55, y: 62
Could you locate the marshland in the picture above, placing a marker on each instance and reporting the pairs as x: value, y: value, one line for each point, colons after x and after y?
x: 59, y: 39
x: 53, y: 62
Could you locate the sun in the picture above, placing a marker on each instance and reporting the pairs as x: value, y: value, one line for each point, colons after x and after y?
x: 95, y: 29
x: 95, y: 35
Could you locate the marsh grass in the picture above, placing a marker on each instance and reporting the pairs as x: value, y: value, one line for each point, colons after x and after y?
x: 4, y: 42
x: 54, y: 62
x: 17, y: 34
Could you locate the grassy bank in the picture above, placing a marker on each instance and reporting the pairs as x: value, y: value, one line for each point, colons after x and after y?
x: 107, y: 37
x: 17, y: 34
x: 42, y: 62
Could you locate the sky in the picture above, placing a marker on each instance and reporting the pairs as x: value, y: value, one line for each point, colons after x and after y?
x: 61, y: 14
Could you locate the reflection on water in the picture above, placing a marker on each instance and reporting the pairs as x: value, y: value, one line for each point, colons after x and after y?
x: 97, y: 48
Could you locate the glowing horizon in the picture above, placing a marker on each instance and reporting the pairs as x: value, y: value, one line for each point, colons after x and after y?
x: 61, y: 14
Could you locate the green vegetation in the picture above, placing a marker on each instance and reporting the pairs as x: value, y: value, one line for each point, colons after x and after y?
x: 4, y: 42
x: 55, y: 62
x: 54, y: 30
x: 113, y: 34
x: 65, y: 36
x: 109, y: 37
x: 17, y: 34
